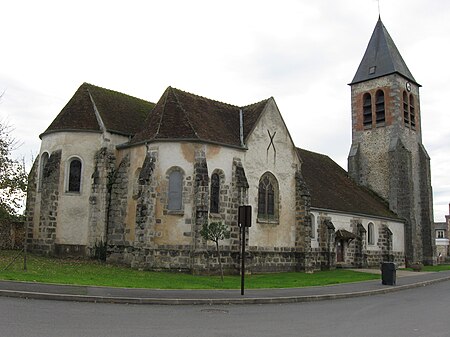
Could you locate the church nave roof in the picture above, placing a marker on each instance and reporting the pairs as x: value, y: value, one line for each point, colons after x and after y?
x: 180, y: 115
x: 119, y: 113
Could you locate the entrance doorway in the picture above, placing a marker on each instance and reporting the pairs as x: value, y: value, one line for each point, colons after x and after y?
x: 340, y: 250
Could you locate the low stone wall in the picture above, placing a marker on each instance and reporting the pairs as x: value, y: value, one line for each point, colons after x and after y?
x: 12, y: 235
x: 281, y: 259
x: 375, y: 258
x: 205, y: 261
x: 73, y: 251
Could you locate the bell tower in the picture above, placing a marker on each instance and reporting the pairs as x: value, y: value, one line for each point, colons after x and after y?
x: 387, y: 154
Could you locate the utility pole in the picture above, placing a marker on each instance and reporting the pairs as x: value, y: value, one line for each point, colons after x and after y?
x: 244, y: 221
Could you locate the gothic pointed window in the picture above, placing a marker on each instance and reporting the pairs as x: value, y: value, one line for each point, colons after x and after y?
x: 44, y: 160
x: 313, y: 227
x: 74, y: 182
x: 367, y: 110
x: 379, y: 107
x: 268, y: 198
x: 175, y: 191
x: 370, y: 234
x: 412, y: 112
x: 405, y: 109
x: 215, y: 193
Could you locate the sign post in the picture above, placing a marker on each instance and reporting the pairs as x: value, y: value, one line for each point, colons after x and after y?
x: 244, y: 221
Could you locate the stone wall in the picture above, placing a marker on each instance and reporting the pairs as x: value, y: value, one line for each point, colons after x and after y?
x: 200, y: 257
x: 426, y: 209
x: 326, y: 251
x: 231, y: 197
x: 31, y: 202
x: 303, y: 224
x: 400, y: 200
x: 115, y: 225
x: 356, y: 253
x: 274, y: 259
x: 315, y: 259
x: 391, y: 160
x: 201, y: 198
x: 99, y: 200
x: 12, y: 234
x: 44, y: 240
x: 145, y: 194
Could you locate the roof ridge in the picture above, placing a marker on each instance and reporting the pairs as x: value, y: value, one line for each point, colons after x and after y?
x: 259, y: 102
x: 184, y: 111
x: 203, y: 97
x: 162, y: 113
x: 97, y: 113
x: 113, y: 91
x: 220, y: 102
x: 316, y: 153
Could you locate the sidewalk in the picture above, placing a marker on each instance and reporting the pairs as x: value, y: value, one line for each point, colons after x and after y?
x: 405, y: 280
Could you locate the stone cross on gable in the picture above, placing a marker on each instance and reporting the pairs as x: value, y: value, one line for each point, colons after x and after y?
x: 272, y: 144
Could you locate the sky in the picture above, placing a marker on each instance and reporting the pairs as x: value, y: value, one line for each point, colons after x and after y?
x: 301, y: 52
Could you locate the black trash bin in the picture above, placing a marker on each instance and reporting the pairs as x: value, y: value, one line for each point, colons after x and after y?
x: 388, y: 273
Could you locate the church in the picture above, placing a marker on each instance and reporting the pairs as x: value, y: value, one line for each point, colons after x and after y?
x: 141, y: 179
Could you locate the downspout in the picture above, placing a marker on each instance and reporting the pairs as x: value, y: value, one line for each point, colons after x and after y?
x: 241, y: 127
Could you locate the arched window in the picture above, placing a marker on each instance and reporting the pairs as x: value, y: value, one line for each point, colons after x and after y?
x: 379, y: 107
x: 405, y: 109
x: 43, y: 163
x: 74, y: 182
x: 313, y: 226
x: 215, y: 193
x: 175, y: 191
x: 367, y: 110
x: 412, y: 112
x: 370, y: 234
x: 268, y: 197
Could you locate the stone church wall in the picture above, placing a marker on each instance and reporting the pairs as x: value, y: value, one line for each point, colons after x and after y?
x: 124, y: 202
x: 426, y: 214
x: 151, y: 247
x: 74, y: 211
x: 45, y: 234
x: 390, y: 160
x: 100, y: 198
x: 118, y: 210
x: 359, y: 253
x: 31, y: 203
x: 270, y: 149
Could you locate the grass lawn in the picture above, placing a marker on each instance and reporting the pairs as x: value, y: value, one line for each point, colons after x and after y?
x: 439, y: 267
x: 89, y: 272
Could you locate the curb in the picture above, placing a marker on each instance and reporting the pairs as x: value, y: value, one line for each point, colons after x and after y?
x: 218, y: 301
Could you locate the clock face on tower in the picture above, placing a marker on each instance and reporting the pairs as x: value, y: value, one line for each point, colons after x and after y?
x: 408, y: 86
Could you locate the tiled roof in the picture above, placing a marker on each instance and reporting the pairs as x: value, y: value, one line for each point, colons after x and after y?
x: 180, y: 115
x: 344, y: 234
x: 381, y: 58
x: 331, y: 188
x: 120, y: 113
x: 440, y: 225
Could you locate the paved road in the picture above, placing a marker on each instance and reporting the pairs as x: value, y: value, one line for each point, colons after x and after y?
x: 415, y: 312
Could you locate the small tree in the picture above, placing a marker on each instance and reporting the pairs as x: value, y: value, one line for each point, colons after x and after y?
x: 216, y: 231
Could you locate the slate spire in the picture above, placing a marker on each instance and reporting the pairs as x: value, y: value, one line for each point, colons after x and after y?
x: 381, y: 58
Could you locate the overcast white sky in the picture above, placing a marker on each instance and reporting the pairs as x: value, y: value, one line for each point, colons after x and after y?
x: 303, y: 53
